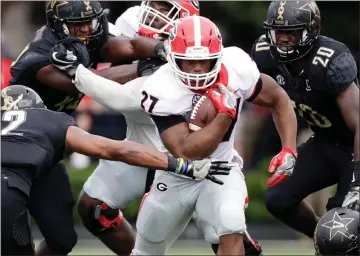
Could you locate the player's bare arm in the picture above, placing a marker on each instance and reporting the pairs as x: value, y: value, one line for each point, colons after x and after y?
x: 181, y: 142
x: 274, y: 97
x: 122, y: 49
x: 78, y: 140
x: 348, y: 102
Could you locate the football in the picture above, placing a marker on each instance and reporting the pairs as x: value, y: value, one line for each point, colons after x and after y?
x: 202, y: 113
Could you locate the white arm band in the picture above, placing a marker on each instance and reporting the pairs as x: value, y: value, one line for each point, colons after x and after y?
x: 120, y: 98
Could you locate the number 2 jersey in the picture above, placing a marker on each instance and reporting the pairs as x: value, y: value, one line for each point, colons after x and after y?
x: 170, y: 103
x: 32, y: 141
x: 328, y: 70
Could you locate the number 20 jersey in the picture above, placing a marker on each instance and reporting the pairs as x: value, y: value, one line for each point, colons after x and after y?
x: 328, y: 70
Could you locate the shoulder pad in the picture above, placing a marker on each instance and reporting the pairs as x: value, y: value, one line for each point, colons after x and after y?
x: 247, y: 73
x: 127, y: 24
x: 342, y: 71
x: 162, y: 95
x: 113, y: 30
x: 260, y: 53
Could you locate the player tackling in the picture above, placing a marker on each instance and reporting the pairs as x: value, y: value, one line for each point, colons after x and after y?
x: 34, y: 138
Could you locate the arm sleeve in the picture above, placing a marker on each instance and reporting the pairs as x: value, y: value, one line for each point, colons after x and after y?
x: 256, y: 90
x: 108, y: 93
x: 341, y: 73
x: 165, y: 122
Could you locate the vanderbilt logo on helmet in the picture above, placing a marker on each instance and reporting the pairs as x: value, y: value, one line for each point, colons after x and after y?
x: 87, y: 4
x: 281, y: 10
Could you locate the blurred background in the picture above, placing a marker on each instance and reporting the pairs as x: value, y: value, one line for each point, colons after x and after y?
x: 257, y: 141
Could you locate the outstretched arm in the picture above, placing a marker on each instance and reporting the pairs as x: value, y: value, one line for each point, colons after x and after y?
x: 132, y: 153
x: 123, y: 49
x: 108, y: 93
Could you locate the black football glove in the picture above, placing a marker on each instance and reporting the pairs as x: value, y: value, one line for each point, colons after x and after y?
x: 160, y: 51
x: 68, y: 54
x: 149, y: 66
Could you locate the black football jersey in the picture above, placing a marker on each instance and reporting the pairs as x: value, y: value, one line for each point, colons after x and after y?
x: 33, y: 140
x: 34, y: 57
x: 329, y: 68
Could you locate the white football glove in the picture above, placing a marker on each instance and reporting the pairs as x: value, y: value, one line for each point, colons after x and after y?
x: 352, y: 199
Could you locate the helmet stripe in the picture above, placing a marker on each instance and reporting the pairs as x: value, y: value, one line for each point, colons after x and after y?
x: 197, y: 31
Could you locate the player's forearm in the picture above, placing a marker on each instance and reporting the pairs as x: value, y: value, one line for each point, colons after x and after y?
x: 120, y: 74
x: 285, y: 121
x: 108, y: 93
x: 203, y: 143
x: 144, y: 47
x: 134, y: 153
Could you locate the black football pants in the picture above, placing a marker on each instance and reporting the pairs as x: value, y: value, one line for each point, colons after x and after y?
x: 51, y: 204
x: 15, y: 222
x: 318, y: 166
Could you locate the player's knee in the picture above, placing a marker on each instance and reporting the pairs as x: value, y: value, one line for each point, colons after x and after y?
x: 232, y: 218
x: 98, y: 218
x: 279, y: 202
x: 62, y: 242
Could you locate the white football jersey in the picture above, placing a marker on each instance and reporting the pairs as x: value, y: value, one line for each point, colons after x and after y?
x: 127, y: 23
x: 239, y: 73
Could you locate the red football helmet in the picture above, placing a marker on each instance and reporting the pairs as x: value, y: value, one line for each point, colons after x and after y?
x: 195, y: 38
x: 178, y: 9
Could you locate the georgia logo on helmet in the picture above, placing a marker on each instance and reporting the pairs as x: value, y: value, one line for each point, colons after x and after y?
x: 148, y: 15
x: 195, y: 38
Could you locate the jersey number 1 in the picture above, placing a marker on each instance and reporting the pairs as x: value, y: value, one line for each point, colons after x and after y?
x: 16, y: 118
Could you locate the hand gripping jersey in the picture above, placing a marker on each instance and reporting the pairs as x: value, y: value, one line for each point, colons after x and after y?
x: 34, y: 57
x: 164, y: 96
x: 328, y: 70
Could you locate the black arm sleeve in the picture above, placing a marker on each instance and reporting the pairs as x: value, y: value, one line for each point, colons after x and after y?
x: 341, y: 73
x: 256, y: 91
x: 165, y: 122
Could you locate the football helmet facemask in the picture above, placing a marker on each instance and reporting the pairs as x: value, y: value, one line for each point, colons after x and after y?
x: 195, y: 38
x: 150, y: 16
x: 60, y: 14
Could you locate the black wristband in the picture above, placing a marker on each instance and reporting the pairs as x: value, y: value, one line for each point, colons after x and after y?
x: 357, y: 171
x: 172, y: 164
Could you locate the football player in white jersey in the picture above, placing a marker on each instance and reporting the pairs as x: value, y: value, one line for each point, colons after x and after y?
x: 114, y: 185
x: 197, y: 62
x: 126, y: 99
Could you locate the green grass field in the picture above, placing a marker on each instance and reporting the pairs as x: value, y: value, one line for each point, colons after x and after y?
x: 199, y: 247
